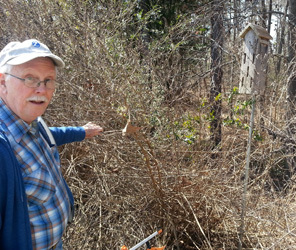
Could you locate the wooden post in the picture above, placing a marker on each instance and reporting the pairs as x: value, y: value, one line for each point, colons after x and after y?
x: 252, y: 82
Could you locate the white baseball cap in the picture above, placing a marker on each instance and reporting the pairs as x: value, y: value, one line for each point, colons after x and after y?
x: 16, y: 53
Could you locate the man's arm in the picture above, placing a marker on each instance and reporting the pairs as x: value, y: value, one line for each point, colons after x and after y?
x: 4, y: 159
x: 15, y: 232
x: 63, y: 135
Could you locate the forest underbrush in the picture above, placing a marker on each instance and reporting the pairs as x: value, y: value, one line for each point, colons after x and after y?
x: 152, y: 65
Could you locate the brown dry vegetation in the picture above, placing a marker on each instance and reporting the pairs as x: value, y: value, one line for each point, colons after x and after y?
x: 126, y: 188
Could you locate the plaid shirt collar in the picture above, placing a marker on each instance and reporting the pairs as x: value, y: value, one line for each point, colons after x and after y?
x: 16, y: 126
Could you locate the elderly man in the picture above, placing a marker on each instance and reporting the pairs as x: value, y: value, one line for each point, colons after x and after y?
x: 35, y: 201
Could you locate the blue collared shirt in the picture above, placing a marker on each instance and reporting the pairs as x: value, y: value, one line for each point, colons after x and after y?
x: 48, y: 201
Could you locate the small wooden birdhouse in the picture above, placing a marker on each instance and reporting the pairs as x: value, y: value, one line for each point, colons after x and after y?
x: 254, y: 59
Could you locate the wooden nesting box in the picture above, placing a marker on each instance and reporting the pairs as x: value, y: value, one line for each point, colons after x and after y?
x: 254, y: 59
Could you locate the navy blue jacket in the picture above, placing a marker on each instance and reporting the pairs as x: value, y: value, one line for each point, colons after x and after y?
x: 15, y: 231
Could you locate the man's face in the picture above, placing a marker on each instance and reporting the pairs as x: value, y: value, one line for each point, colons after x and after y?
x: 22, y: 99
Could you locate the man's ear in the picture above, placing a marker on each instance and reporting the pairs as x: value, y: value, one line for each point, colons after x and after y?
x: 2, y: 83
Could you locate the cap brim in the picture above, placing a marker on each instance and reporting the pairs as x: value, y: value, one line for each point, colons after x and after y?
x: 26, y: 58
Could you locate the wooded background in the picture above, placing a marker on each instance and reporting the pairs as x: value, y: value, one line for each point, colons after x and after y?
x: 172, y: 67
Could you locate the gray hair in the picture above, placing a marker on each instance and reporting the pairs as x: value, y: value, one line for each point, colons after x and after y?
x: 6, y: 68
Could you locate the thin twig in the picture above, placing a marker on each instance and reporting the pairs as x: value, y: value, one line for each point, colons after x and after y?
x: 197, y: 222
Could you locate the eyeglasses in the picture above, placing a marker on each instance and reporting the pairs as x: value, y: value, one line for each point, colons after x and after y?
x: 33, y: 82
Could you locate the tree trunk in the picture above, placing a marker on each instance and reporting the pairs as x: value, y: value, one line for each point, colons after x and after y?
x: 264, y: 15
x: 282, y: 38
x: 144, y: 5
x: 291, y: 90
x: 291, y: 58
x: 269, y: 16
x: 216, y: 70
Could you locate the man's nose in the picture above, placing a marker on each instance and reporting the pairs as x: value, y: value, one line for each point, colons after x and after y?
x: 41, y: 87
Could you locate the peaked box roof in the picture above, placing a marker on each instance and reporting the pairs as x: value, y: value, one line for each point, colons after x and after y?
x: 259, y: 31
